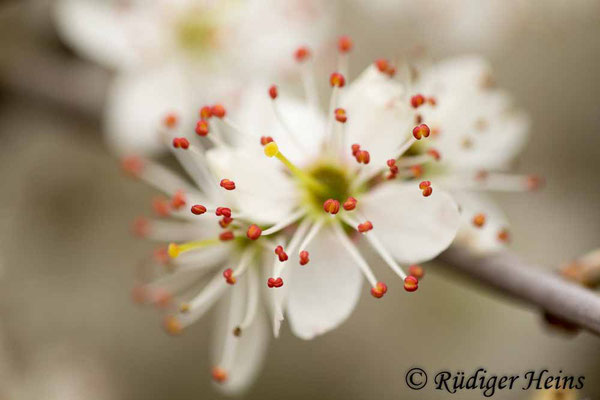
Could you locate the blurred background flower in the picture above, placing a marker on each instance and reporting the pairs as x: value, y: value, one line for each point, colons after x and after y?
x: 68, y: 256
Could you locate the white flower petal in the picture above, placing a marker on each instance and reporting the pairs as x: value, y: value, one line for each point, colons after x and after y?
x: 97, y: 29
x: 323, y: 293
x: 483, y: 239
x: 263, y: 193
x: 413, y: 228
x: 380, y: 118
x: 137, y: 103
x: 249, y: 349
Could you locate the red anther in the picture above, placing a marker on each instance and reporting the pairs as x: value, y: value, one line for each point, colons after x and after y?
x: 178, y: 200
x: 421, y: 131
x: 418, y: 119
x: 205, y: 112
x: 302, y: 54
x: 170, y: 120
x: 219, y: 375
x: 253, y: 232
x: 133, y: 165
x: 182, y: 143
x: 504, y: 235
x: 417, y: 271
x: 304, y: 257
x: 172, y: 325
x: 365, y: 227
x: 225, y: 222
x: 382, y: 65
x: 228, y: 275
x: 274, y: 283
x: 141, y: 227
x: 363, y: 157
x: 162, y: 298
x: 345, y: 44
x: 264, y: 140
x: 281, y: 253
x: 340, y: 115
x: 218, y: 110
x: 479, y: 220
x: 350, y: 204
x: 355, y: 149
x: 160, y: 206
x: 227, y: 184
x: 202, y: 127
x: 331, y: 206
x: 391, y: 162
x: 139, y: 294
x: 161, y: 256
x: 435, y: 131
x: 411, y: 283
x: 273, y: 92
x: 435, y: 154
x: 198, y: 209
x: 416, y: 170
x: 225, y: 236
x: 379, y: 290
x: 337, y: 80
x: 432, y: 101
x: 417, y: 100
x: 425, y: 186
x: 535, y: 182
x: 391, y: 71
x: 223, y: 211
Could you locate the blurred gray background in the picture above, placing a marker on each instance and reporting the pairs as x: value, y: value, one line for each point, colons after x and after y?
x: 70, y: 331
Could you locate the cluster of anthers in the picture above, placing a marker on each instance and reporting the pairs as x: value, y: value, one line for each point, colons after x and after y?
x: 325, y: 198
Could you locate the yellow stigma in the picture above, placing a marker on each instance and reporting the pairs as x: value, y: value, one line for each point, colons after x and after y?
x: 184, y: 307
x: 174, y: 249
x: 271, y: 149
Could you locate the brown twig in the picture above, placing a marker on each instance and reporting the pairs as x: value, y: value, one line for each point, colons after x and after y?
x: 511, y: 275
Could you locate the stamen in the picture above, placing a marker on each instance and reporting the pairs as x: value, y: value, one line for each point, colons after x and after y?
x: 417, y: 100
x: 253, y: 232
x: 172, y: 325
x: 252, y: 303
x: 265, y: 140
x: 331, y: 206
x: 178, y: 201
x: 229, y: 278
x: 223, y: 211
x: 340, y: 115
x: 350, y: 204
x: 219, y: 375
x: 141, y: 227
x: 205, y: 112
x: 504, y: 235
x: 225, y: 222
x: 132, y: 165
x: 379, y: 290
x: 218, y: 110
x: 202, y: 128
x: 365, y: 227
x: 363, y: 157
x: 337, y: 80
x: 175, y: 249
x: 302, y: 54
x: 345, y: 44
x: 434, y: 153
x: 171, y: 120
x: 227, y: 184
x: 272, y: 150
x: 421, y: 131
x: 181, y: 143
x: 198, y: 209
x: 411, y: 283
x: 416, y: 171
x: 385, y: 67
x: 355, y: 254
x: 274, y: 283
x: 417, y: 271
x: 284, y: 223
x: 226, y: 236
x: 273, y: 92
x: 281, y: 253
x: 304, y: 257
x: 355, y: 149
x: 311, y: 234
x: 425, y: 186
x: 479, y: 220
x: 160, y: 206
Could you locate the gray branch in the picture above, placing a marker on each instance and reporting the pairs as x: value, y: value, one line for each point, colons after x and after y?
x: 513, y: 276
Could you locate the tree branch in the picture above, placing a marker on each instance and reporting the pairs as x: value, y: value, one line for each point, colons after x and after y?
x: 511, y: 275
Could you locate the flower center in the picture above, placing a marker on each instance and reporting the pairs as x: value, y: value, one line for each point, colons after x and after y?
x: 335, y: 181
x: 196, y: 33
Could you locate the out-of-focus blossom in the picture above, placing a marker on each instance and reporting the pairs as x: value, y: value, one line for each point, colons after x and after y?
x: 173, y: 54
x: 280, y: 199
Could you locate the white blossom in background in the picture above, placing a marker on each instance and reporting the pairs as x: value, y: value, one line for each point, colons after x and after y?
x: 280, y: 200
x: 476, y: 135
x: 173, y: 54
